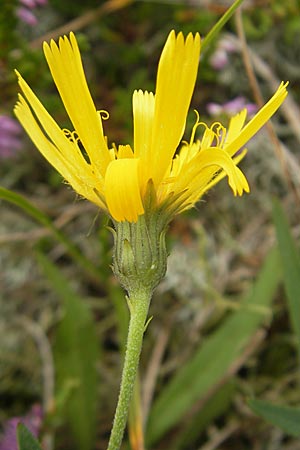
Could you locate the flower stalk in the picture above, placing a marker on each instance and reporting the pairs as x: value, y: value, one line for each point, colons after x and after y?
x: 138, y: 302
x: 139, y: 262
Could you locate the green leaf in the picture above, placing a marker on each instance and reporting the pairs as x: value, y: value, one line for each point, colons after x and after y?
x: 44, y: 220
x: 284, y: 417
x: 219, y: 25
x: 198, y: 423
x: 290, y: 260
x: 76, y: 354
x: 211, y: 361
x: 26, y: 441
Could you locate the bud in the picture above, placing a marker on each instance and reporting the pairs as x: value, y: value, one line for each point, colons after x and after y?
x: 140, y: 256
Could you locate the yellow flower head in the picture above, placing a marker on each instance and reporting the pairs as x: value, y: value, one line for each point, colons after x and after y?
x: 119, y: 179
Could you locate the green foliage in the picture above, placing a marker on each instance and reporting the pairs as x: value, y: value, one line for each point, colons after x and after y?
x: 211, y: 361
x: 284, y: 417
x: 290, y: 261
x: 76, y: 354
x: 7, y: 26
x: 215, y: 406
x: 40, y: 217
x: 26, y: 441
x: 26, y: 206
x: 258, y: 24
x: 211, y: 36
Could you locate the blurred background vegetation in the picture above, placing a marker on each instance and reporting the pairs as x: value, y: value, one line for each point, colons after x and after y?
x: 225, y: 319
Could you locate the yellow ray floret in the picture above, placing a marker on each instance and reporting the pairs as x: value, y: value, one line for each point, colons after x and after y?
x: 117, y: 179
x: 66, y: 68
x: 238, y: 136
x: 176, y: 77
x: 125, y: 203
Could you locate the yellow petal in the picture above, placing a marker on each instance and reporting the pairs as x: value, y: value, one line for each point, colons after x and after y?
x: 176, y: 77
x: 222, y: 174
x: 125, y: 151
x: 67, y: 71
x: 199, y: 173
x: 143, y: 114
x: 78, y: 176
x: 258, y: 121
x: 235, y: 125
x: 49, y: 151
x: 53, y: 131
x: 122, y: 190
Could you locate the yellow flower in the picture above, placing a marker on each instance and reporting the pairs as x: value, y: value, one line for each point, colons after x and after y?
x: 117, y: 179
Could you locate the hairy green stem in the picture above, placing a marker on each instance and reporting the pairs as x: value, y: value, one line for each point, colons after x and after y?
x: 139, y: 305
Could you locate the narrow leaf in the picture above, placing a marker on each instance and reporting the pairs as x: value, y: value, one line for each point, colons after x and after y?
x: 290, y: 261
x: 219, y: 25
x: 43, y: 219
x: 26, y: 441
x: 283, y: 417
x: 76, y: 355
x: 211, y: 361
x: 198, y: 423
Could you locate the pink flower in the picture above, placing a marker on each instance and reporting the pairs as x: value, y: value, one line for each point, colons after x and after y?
x: 24, y: 11
x: 10, y: 141
x: 9, y: 125
x: 26, y: 16
x: 220, y: 58
x: 32, y: 420
x: 28, y: 3
x: 232, y: 107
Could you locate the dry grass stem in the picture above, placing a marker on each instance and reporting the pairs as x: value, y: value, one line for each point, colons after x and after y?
x: 281, y: 155
x: 153, y: 370
x: 220, y: 436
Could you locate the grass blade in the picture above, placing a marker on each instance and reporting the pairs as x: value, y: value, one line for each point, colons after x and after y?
x: 44, y: 220
x: 215, y: 356
x: 219, y: 25
x: 194, y: 426
x: 290, y: 261
x: 76, y: 355
x: 26, y: 441
x: 283, y: 417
